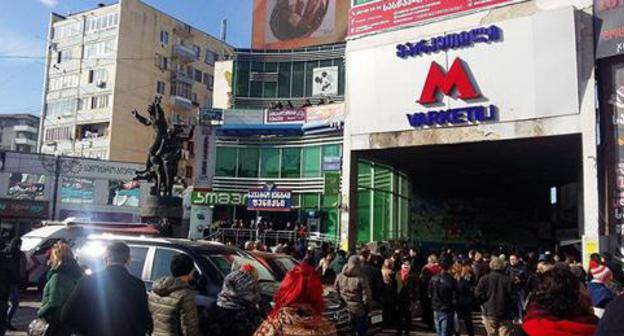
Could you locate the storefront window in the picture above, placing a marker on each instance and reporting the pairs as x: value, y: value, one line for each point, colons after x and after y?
x: 383, y: 178
x: 311, y: 161
x: 269, y: 158
x: 248, y: 162
x: 77, y: 190
x: 291, y: 162
x: 226, y: 162
x: 26, y: 186
x: 310, y: 201
x: 364, y: 216
x: 330, y: 201
x: 365, y: 176
x: 124, y: 193
x: 330, y: 222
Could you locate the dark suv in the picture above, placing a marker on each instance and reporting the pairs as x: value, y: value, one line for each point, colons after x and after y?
x: 151, y: 257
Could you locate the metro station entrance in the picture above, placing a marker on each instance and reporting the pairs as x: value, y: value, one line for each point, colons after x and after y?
x: 513, y: 193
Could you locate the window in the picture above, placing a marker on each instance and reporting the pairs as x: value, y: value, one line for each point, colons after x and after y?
x: 66, y: 30
x: 311, y: 161
x: 162, y: 62
x: 190, y: 71
x: 164, y: 37
x: 137, y: 260
x: 269, y: 158
x: 182, y: 90
x: 197, y: 50
x: 194, y: 97
x: 99, y: 49
x: 60, y: 133
x: 210, y: 57
x: 198, y: 75
x: 98, y: 76
x: 208, y: 80
x: 62, y: 107
x: 102, y: 22
x: 99, y: 101
x: 63, y: 55
x: 248, y: 162
x: 160, y: 87
x: 297, y: 79
x: 63, y: 82
x: 162, y: 263
x: 291, y: 162
x: 226, y: 162
x: 189, y: 172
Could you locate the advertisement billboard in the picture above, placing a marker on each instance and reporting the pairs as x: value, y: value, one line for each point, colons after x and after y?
x: 291, y: 24
x: 269, y: 198
x: 609, y: 28
x: 325, y: 81
x: 372, y: 16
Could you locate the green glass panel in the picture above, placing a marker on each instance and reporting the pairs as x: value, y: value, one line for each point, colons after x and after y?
x: 242, y: 79
x: 269, y: 158
x: 225, y: 162
x: 331, y: 150
x: 256, y: 89
x: 270, y: 90
x: 257, y: 67
x: 297, y: 79
x: 404, y: 189
x: 270, y: 67
x: 363, y: 216
x: 311, y: 161
x: 329, y: 201
x: 405, y: 218
x: 291, y: 162
x: 382, y: 215
x: 383, y: 178
x: 364, y: 174
x: 283, y: 79
x: 248, y: 162
x: 296, y: 200
x: 330, y: 223
x: 310, y: 201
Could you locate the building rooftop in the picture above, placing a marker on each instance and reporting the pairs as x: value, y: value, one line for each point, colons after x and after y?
x: 18, y: 116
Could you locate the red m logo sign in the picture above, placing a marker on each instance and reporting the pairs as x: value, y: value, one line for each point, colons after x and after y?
x: 438, y: 80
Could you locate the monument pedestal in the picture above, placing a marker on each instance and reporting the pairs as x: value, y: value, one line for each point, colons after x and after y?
x: 156, y: 208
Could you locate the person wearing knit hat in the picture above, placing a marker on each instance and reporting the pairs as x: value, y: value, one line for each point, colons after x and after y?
x: 237, y: 310
x: 600, y: 275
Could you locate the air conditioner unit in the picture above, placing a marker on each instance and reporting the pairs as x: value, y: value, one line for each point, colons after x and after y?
x: 101, y: 84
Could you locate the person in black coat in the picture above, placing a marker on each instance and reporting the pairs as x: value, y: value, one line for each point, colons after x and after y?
x: 407, y: 293
x: 443, y: 293
x: 388, y: 294
x: 111, y: 302
x: 611, y: 322
x: 466, y: 282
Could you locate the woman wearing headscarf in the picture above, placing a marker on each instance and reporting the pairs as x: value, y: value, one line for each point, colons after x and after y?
x: 298, y: 307
x: 388, y: 293
x: 237, y: 310
x: 62, y: 279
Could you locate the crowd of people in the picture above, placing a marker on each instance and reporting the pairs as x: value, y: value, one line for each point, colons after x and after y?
x: 518, y: 295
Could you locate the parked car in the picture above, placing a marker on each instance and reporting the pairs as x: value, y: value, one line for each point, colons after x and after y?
x: 37, y: 243
x: 151, y: 257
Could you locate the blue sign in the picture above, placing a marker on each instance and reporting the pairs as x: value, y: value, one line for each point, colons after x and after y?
x: 450, y: 41
x: 332, y: 163
x: 456, y: 116
x: 269, y: 198
x: 210, y: 114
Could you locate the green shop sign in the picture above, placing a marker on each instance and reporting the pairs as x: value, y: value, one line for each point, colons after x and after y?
x: 218, y: 198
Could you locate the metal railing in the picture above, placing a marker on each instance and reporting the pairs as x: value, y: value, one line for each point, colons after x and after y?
x: 267, y: 237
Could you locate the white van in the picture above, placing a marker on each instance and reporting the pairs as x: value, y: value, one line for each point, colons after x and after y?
x: 37, y: 243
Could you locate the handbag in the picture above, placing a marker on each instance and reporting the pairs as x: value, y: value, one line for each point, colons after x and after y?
x: 38, y: 327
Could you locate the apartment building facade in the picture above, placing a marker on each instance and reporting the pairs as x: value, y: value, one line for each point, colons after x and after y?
x: 18, y: 132
x: 106, y: 62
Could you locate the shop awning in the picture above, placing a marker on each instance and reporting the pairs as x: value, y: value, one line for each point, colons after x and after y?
x: 256, y: 129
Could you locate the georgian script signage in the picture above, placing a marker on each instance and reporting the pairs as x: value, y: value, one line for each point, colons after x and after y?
x: 269, y: 198
x: 218, y: 198
x: 286, y: 116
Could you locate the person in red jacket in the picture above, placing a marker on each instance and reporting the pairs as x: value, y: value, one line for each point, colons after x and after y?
x: 560, y: 307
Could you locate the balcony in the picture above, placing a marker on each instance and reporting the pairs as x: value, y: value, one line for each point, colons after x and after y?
x: 25, y: 128
x: 184, y: 53
x: 180, y: 76
x: 183, y: 30
x: 181, y: 102
x: 25, y: 141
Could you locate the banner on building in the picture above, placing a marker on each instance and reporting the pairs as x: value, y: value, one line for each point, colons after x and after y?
x: 325, y: 81
x: 371, y: 16
x: 291, y: 24
x: 218, y: 198
x: 205, y: 148
x: 332, y: 163
x: 285, y: 116
x: 609, y: 28
x: 269, y: 198
x: 208, y: 115
x: 325, y: 112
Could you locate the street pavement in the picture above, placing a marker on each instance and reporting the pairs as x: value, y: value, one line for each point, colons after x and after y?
x: 30, y: 303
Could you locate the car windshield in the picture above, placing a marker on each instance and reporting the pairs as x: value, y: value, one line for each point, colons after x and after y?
x: 286, y: 264
x: 224, y: 263
x: 29, y: 243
